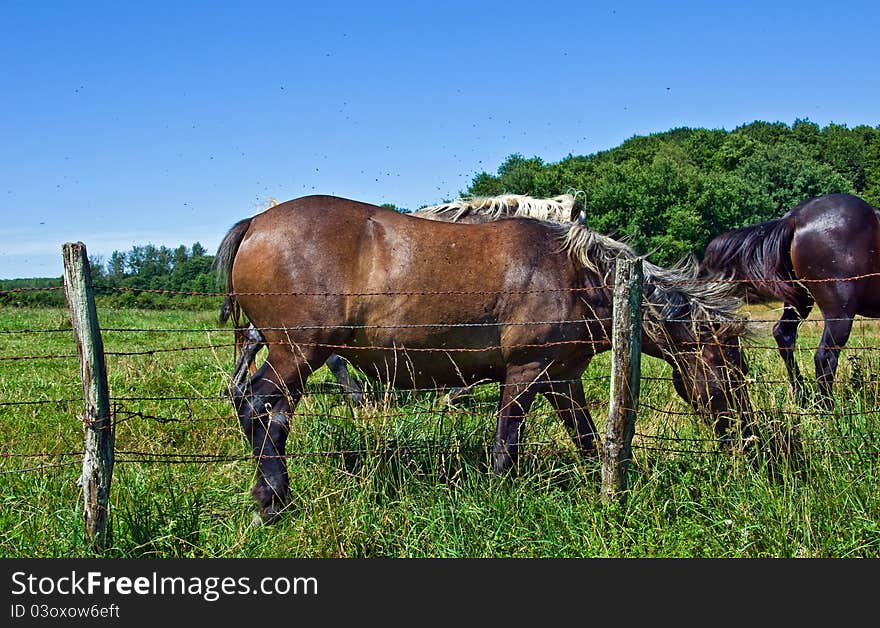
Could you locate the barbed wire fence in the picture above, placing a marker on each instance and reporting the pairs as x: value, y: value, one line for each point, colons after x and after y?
x: 100, y: 423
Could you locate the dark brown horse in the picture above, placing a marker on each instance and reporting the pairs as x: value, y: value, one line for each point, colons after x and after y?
x: 824, y: 251
x: 418, y: 303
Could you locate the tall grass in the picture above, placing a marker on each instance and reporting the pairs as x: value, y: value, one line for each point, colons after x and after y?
x: 409, y: 475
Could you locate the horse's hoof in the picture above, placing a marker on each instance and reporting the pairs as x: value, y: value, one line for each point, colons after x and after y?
x: 589, y: 446
x: 270, y: 503
x: 262, y: 517
x: 269, y: 515
x: 503, y: 464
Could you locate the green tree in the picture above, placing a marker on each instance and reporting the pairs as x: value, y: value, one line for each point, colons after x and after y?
x: 846, y: 152
x: 871, y: 192
x: 787, y: 175
x: 180, y: 255
x: 116, y: 265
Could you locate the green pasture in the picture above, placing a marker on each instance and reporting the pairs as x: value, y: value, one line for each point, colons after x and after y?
x: 408, y: 476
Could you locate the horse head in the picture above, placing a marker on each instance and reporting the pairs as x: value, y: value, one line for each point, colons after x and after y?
x: 691, y: 322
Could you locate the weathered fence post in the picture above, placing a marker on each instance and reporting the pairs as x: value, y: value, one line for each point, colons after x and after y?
x: 97, y: 470
x: 626, y: 348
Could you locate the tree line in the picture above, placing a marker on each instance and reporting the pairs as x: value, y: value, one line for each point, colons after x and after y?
x: 667, y: 194
x: 145, y: 276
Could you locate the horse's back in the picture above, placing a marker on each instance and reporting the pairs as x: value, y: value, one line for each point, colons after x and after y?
x: 838, y: 204
x: 343, y: 234
x: 308, y: 212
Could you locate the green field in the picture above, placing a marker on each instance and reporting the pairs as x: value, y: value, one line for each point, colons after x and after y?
x: 409, y: 475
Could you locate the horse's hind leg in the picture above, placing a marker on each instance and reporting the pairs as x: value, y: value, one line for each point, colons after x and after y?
x: 785, y: 333
x: 571, y: 405
x: 264, y: 409
x: 834, y: 337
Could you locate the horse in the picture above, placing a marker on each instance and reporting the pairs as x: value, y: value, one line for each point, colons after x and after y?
x: 824, y: 251
x: 417, y: 303
x: 564, y: 208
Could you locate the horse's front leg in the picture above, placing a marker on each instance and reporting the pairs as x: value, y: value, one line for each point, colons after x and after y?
x: 570, y: 403
x: 337, y: 366
x: 514, y: 404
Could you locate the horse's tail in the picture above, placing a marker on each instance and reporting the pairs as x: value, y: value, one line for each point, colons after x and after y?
x: 223, y: 266
x: 759, y: 257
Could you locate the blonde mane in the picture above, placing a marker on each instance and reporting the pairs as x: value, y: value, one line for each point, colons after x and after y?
x: 564, y: 209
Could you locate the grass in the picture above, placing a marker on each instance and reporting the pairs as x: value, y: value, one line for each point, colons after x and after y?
x: 410, y: 476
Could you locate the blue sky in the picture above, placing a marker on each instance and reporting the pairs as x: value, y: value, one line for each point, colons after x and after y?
x: 166, y: 123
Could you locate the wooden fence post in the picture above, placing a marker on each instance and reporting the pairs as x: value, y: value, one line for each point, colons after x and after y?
x: 626, y: 347
x: 97, y: 470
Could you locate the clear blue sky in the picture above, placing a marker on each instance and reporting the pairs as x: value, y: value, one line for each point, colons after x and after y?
x: 168, y: 122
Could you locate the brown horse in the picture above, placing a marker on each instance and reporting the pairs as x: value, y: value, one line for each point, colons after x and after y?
x: 826, y: 251
x: 565, y: 209
x: 418, y: 303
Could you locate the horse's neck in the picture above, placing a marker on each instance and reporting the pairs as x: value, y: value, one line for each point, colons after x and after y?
x: 656, y: 349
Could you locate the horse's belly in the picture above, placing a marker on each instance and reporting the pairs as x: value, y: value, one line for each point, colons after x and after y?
x: 429, y: 368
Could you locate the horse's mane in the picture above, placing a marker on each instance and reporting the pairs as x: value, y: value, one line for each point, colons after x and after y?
x: 565, y: 208
x: 670, y: 294
x: 757, y: 254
